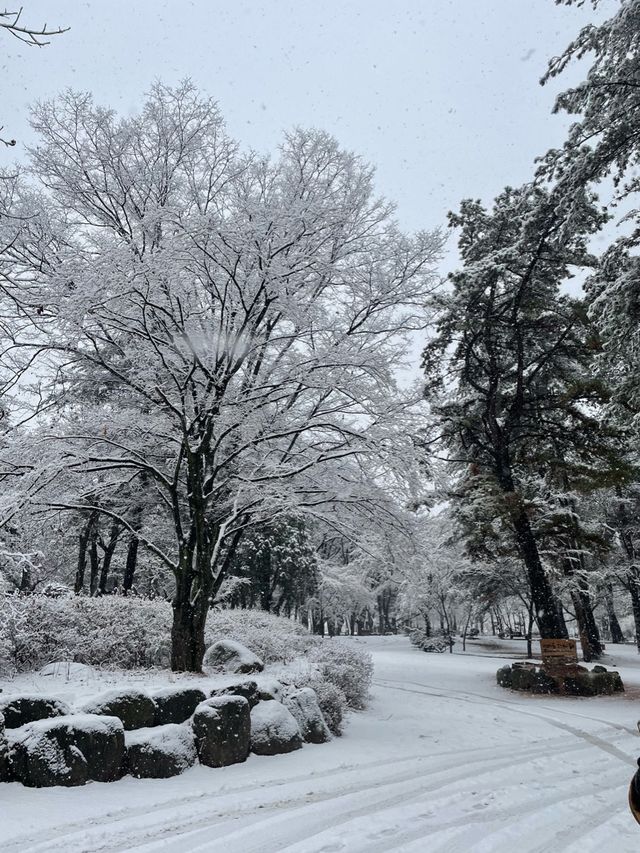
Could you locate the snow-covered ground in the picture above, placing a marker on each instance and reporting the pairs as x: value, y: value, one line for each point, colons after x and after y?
x: 443, y: 760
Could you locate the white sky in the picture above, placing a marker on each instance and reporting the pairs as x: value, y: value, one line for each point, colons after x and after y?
x: 442, y: 96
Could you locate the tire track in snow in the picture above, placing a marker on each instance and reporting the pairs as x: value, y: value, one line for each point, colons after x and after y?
x: 171, y: 802
x: 191, y: 830
x: 513, y: 707
x: 468, y: 828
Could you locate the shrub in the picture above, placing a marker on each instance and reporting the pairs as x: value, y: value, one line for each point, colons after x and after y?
x: 126, y: 633
x: 346, y: 667
x: 332, y: 703
x: 272, y: 638
x: 115, y: 632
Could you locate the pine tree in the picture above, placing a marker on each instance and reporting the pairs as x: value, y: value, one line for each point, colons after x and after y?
x: 508, y: 372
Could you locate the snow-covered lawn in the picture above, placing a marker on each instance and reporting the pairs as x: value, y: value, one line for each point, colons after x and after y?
x: 443, y: 760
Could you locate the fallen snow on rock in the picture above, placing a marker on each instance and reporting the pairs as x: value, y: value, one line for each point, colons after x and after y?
x: 231, y: 656
x: 273, y: 729
x: 68, y: 670
x: 171, y: 745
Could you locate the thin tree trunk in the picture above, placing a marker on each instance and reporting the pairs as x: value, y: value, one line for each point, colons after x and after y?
x: 83, y: 542
x: 109, y: 550
x: 94, y: 562
x: 529, y: 629
x: 130, y: 564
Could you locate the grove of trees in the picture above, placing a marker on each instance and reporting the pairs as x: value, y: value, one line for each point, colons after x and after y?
x: 200, y: 352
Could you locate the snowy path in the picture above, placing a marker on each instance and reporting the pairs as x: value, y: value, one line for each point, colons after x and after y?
x: 443, y: 760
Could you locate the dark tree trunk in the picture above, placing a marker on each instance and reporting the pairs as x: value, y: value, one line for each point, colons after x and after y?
x: 83, y: 543
x: 529, y: 629
x: 547, y: 608
x: 587, y: 627
x: 26, y: 584
x: 634, y: 590
x: 614, y: 626
x: 108, y: 550
x: 130, y: 564
x: 94, y: 562
x: 195, y: 589
x: 187, y: 635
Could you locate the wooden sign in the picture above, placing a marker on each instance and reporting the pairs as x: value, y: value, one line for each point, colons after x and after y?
x: 558, y: 653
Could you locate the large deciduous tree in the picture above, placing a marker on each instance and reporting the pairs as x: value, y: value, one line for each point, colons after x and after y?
x: 232, y: 322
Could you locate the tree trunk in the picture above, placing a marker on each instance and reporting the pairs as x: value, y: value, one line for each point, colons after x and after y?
x: 634, y: 589
x: 83, y: 542
x: 547, y: 607
x: 130, y: 565
x: 94, y: 562
x: 587, y: 627
x: 614, y: 626
x: 187, y: 635
x: 195, y: 588
x: 529, y: 629
x: 108, y: 549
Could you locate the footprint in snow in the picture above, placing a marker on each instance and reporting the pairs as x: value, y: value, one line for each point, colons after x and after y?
x: 383, y: 833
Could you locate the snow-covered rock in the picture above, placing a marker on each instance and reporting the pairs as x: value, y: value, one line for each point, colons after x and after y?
x: 26, y: 708
x: 176, y: 704
x: 67, y: 750
x: 134, y: 707
x: 68, y: 669
x: 231, y: 656
x: 303, y: 704
x: 160, y: 752
x: 269, y: 688
x: 222, y: 729
x: 273, y: 729
x: 248, y: 689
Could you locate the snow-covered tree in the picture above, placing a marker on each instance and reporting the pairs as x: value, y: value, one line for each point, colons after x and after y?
x: 603, y: 147
x: 509, y: 372
x: 238, y: 320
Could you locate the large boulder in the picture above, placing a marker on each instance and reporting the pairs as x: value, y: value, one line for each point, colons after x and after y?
x: 135, y: 708
x: 247, y: 689
x: 20, y: 710
x: 160, y: 752
x: 274, y: 729
x: 303, y: 704
x: 68, y: 751
x: 222, y: 729
x: 176, y: 704
x: 231, y: 656
x: 5, y: 770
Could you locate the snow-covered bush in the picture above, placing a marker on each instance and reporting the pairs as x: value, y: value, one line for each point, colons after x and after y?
x: 272, y: 638
x: 346, y: 667
x: 332, y: 702
x: 126, y: 633
x: 116, y: 632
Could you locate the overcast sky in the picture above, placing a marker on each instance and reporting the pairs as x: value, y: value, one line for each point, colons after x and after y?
x: 442, y: 96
